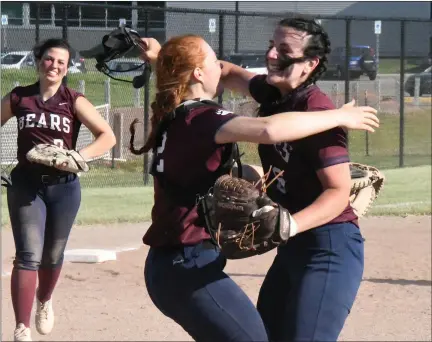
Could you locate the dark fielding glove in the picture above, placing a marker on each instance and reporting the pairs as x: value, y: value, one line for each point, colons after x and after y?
x: 244, y: 221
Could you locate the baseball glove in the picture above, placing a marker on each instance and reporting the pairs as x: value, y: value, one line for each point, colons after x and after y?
x: 243, y: 220
x: 57, y: 157
x: 366, y: 184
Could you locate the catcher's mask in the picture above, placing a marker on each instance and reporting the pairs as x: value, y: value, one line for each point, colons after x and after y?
x: 117, y: 44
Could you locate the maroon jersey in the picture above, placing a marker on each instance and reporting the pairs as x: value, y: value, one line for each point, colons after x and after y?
x: 299, y: 185
x: 53, y: 121
x: 185, y: 163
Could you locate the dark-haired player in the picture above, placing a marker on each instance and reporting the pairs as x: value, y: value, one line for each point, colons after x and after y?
x: 313, y: 281
x: 43, y: 202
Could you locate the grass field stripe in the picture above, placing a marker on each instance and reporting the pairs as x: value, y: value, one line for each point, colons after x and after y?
x: 403, y: 204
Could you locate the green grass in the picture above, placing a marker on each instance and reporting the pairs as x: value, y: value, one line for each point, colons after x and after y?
x: 406, y: 191
x: 124, y: 174
x: 122, y: 94
x: 106, y: 205
x: 383, y: 144
x: 392, y: 66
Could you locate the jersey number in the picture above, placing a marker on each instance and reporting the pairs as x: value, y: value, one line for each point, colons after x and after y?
x: 58, y: 142
x: 159, y: 150
x: 280, y: 182
x: 284, y: 150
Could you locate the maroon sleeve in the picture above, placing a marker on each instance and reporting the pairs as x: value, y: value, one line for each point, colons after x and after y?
x: 327, y: 148
x: 261, y: 91
x: 208, y: 120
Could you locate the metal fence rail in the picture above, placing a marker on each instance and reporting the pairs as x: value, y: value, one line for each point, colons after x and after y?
x: 402, y: 49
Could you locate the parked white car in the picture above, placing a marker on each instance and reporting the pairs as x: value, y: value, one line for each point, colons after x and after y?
x: 253, y: 62
x: 23, y: 59
x: 258, y: 71
x: 17, y: 60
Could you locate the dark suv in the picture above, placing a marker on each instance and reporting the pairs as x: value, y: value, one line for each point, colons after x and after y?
x: 425, y: 82
x: 362, y: 62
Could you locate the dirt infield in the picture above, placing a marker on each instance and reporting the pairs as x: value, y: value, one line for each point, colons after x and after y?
x: 108, y: 301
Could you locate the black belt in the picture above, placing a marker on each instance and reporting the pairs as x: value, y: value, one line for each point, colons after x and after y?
x: 41, y: 174
x: 42, y: 179
x: 52, y: 180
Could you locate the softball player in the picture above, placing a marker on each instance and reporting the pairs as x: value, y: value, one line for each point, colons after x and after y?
x: 312, y: 284
x: 190, y: 136
x: 43, y: 202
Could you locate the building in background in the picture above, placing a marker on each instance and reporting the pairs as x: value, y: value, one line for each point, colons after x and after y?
x: 254, y: 32
x: 87, y: 24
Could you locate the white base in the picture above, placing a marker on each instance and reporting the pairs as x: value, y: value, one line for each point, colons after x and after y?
x: 89, y: 255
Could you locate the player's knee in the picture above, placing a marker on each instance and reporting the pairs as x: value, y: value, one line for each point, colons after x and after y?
x: 53, y: 259
x: 27, y: 261
x: 51, y: 263
x: 55, y: 255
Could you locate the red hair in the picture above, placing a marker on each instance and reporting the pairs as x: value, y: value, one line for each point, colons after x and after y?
x: 176, y: 61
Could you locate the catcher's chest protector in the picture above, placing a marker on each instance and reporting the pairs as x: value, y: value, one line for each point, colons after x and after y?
x: 230, y: 155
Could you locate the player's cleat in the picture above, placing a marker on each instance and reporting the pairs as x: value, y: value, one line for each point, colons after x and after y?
x: 22, y: 333
x: 44, y: 317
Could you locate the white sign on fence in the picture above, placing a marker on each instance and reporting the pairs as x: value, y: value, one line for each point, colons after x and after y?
x: 212, y: 25
x: 4, y: 19
x: 122, y: 22
x: 377, y: 26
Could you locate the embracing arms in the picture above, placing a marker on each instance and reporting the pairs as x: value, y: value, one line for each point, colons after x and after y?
x: 296, y: 125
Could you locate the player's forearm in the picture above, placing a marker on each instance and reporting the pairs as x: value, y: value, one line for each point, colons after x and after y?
x: 236, y: 78
x: 298, y: 125
x: 324, y: 209
x: 102, y: 144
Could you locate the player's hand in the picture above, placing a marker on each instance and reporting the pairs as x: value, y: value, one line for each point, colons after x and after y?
x: 151, y: 50
x: 360, y: 118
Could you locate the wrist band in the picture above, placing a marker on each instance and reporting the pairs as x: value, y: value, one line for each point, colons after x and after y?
x: 293, y: 227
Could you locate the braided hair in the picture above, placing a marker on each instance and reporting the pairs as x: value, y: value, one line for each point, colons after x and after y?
x: 317, y: 46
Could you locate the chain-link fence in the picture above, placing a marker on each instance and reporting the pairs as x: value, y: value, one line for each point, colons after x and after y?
x: 391, y: 80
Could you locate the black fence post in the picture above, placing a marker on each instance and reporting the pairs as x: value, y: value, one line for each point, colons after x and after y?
x: 236, y: 44
x: 146, y: 106
x: 347, y: 58
x: 37, y: 24
x: 367, y: 133
x: 402, y: 95
x: 65, y: 33
x: 347, y: 63
x: 221, y: 45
